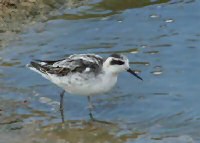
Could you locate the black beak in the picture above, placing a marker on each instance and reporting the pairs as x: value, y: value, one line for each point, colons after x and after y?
x: 133, y: 73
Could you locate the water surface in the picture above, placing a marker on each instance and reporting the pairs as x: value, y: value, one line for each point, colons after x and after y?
x: 161, y: 39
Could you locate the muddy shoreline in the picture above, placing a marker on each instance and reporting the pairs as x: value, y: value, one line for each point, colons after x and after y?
x: 15, y: 15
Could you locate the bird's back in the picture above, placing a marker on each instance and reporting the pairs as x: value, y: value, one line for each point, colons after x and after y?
x: 77, y: 63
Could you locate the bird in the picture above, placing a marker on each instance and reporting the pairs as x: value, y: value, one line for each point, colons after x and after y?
x: 83, y: 74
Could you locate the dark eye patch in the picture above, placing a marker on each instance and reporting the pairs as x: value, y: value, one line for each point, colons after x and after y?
x: 116, y: 62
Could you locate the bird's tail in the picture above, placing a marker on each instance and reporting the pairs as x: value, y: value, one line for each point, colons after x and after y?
x: 36, y: 66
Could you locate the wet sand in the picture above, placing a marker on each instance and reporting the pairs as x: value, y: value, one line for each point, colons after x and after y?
x: 16, y: 15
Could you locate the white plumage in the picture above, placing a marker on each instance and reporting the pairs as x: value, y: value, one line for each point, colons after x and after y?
x: 83, y: 74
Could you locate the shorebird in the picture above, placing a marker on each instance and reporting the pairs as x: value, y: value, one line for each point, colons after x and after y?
x: 83, y: 74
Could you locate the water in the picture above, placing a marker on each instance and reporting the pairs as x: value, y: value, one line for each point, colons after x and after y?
x: 161, y: 39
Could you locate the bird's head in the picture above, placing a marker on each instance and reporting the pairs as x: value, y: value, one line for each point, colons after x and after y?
x: 117, y: 63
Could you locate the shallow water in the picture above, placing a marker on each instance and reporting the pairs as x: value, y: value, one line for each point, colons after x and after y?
x: 160, y: 38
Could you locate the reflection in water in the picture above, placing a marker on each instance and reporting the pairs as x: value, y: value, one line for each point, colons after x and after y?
x: 119, y: 5
x: 89, y: 132
x: 70, y: 131
x: 81, y: 15
x: 16, y: 111
x: 106, y: 8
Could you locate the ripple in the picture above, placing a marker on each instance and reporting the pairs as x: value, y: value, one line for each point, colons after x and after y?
x: 97, y: 46
x: 157, y: 70
x: 45, y: 100
x: 9, y: 63
x: 160, y: 45
x: 152, y: 52
x: 133, y: 51
x: 154, y: 16
x: 140, y: 63
x: 169, y: 20
x: 161, y: 93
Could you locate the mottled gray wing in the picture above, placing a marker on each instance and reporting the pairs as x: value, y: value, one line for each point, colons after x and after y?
x: 74, y: 63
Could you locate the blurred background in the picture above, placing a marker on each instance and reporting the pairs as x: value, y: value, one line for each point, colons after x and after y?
x: 161, y: 39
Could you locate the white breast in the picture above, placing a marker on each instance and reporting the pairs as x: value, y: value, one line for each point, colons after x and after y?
x: 80, y: 84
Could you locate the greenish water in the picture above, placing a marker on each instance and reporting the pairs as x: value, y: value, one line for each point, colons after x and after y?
x: 160, y: 37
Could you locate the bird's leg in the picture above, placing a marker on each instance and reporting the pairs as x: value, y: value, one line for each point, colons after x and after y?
x: 61, y: 105
x: 90, y: 107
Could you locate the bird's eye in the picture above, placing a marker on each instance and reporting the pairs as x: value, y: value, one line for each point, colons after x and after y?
x: 116, y: 62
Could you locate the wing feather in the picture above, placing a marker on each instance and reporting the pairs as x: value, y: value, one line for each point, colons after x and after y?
x: 74, y: 63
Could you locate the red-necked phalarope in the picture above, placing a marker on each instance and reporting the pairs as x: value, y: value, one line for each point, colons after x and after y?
x: 83, y: 74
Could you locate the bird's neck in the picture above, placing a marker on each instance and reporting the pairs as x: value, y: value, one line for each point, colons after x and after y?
x: 110, y: 73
